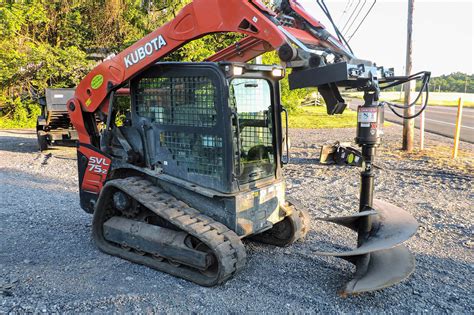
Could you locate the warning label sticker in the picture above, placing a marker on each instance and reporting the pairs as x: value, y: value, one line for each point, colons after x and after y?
x: 367, y: 115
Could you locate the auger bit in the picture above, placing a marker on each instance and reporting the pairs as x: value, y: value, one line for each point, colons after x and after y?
x: 380, y: 258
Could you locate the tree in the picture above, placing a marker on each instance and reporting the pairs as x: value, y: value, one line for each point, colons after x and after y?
x: 49, y: 44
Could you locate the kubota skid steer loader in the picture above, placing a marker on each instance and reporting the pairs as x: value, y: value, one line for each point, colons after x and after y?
x: 197, y: 164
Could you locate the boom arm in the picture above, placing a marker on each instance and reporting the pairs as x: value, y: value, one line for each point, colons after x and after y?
x: 197, y: 19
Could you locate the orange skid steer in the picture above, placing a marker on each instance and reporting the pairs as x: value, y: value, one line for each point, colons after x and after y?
x: 197, y: 164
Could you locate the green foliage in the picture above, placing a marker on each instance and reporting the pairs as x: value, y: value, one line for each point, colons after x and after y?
x: 50, y: 43
x: 200, y: 49
x: 454, y: 82
x: 122, y: 104
x: 37, y: 50
x: 291, y: 99
x: 19, y: 113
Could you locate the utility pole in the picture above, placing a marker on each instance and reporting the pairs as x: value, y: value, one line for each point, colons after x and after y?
x: 409, y: 124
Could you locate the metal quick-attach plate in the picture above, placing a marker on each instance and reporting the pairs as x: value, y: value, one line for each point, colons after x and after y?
x: 318, y: 76
x: 380, y: 260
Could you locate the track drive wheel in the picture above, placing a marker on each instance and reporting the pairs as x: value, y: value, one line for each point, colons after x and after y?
x: 292, y: 228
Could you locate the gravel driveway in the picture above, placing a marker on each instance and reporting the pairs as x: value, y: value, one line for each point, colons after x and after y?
x: 48, y: 262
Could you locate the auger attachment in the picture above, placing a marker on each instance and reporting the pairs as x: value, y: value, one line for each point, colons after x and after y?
x: 380, y: 258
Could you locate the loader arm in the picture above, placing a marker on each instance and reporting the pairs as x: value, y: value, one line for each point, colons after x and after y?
x: 264, y: 31
x: 197, y: 19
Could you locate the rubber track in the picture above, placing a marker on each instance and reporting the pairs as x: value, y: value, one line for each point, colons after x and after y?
x: 224, y: 243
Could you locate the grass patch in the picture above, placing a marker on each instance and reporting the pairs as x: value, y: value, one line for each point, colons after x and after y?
x: 439, y: 156
x: 315, y: 117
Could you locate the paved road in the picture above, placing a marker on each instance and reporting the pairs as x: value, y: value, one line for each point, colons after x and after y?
x: 438, y: 119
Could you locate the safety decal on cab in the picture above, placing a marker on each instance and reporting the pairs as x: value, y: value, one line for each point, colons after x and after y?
x: 98, y: 165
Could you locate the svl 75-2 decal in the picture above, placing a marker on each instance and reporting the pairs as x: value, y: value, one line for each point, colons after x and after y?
x: 98, y: 165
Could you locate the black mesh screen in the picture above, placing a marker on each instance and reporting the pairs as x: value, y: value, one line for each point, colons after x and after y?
x: 254, y: 131
x: 251, y: 98
x: 200, y: 154
x: 182, y: 101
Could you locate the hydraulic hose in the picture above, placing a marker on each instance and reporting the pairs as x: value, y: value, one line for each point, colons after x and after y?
x: 424, y: 88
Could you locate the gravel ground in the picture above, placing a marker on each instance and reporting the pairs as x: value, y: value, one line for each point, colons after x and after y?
x: 48, y: 262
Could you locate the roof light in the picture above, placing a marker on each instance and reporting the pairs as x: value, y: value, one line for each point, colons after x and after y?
x: 277, y: 73
x: 238, y: 70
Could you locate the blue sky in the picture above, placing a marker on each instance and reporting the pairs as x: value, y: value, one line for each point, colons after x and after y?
x: 442, y: 33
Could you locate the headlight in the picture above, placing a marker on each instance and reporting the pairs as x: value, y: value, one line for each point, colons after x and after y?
x: 277, y: 73
x: 238, y: 70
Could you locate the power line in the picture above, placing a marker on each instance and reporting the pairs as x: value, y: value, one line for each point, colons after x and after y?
x: 363, y: 19
x: 325, y: 9
x: 350, y: 17
x: 356, y: 17
x: 348, y: 5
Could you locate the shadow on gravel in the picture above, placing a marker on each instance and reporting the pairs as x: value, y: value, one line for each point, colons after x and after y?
x: 24, y: 180
x: 435, y: 173
x: 18, y: 144
x: 437, y: 282
x: 298, y: 160
x: 425, y: 291
x: 29, y: 145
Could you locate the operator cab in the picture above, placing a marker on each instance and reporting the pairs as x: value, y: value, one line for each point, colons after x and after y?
x: 216, y: 125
